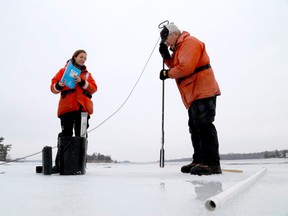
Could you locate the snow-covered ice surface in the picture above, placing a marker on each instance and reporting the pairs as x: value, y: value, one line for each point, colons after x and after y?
x: 142, y: 189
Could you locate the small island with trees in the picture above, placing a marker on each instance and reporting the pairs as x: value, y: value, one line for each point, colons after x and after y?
x: 99, y: 158
x: 4, y: 149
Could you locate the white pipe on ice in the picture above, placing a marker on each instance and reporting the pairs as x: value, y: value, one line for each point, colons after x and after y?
x: 220, y: 199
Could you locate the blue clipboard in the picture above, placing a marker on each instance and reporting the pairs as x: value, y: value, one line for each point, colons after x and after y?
x: 69, y: 74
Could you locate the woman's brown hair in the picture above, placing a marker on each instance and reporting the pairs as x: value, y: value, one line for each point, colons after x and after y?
x: 76, y: 53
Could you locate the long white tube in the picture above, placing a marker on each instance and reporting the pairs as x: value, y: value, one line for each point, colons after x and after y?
x: 215, y: 202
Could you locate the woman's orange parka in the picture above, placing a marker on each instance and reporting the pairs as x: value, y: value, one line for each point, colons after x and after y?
x: 189, y: 54
x: 72, y: 100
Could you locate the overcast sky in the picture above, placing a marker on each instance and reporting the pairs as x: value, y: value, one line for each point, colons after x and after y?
x: 246, y: 41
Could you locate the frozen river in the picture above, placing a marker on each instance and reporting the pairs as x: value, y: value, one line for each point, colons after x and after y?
x: 142, y: 189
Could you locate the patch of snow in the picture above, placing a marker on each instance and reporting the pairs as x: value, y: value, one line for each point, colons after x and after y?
x: 141, y: 189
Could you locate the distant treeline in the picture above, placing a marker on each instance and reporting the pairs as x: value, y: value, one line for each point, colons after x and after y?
x: 239, y: 156
x: 258, y: 155
x: 99, y: 158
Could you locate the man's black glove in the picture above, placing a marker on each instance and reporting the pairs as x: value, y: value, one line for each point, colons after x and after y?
x: 164, y: 74
x: 163, y: 49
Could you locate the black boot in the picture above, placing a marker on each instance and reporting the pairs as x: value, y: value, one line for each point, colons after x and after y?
x: 56, y: 168
x: 202, y: 169
x: 187, y: 168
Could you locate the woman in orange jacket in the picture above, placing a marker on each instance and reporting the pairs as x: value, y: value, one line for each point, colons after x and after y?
x: 74, y: 101
x: 190, y: 66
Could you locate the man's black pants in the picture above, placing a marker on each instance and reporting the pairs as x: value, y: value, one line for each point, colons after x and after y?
x: 203, y: 132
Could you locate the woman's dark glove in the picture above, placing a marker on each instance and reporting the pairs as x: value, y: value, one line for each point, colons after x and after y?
x: 82, y: 83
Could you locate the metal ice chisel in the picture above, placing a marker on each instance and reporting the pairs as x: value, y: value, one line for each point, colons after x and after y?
x: 83, y: 130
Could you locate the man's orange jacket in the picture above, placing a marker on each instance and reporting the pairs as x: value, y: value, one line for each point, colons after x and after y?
x: 189, y: 54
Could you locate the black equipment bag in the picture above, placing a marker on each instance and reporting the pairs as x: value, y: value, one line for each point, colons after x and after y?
x: 72, y: 155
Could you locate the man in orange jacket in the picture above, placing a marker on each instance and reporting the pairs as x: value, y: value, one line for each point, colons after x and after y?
x: 190, y: 66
